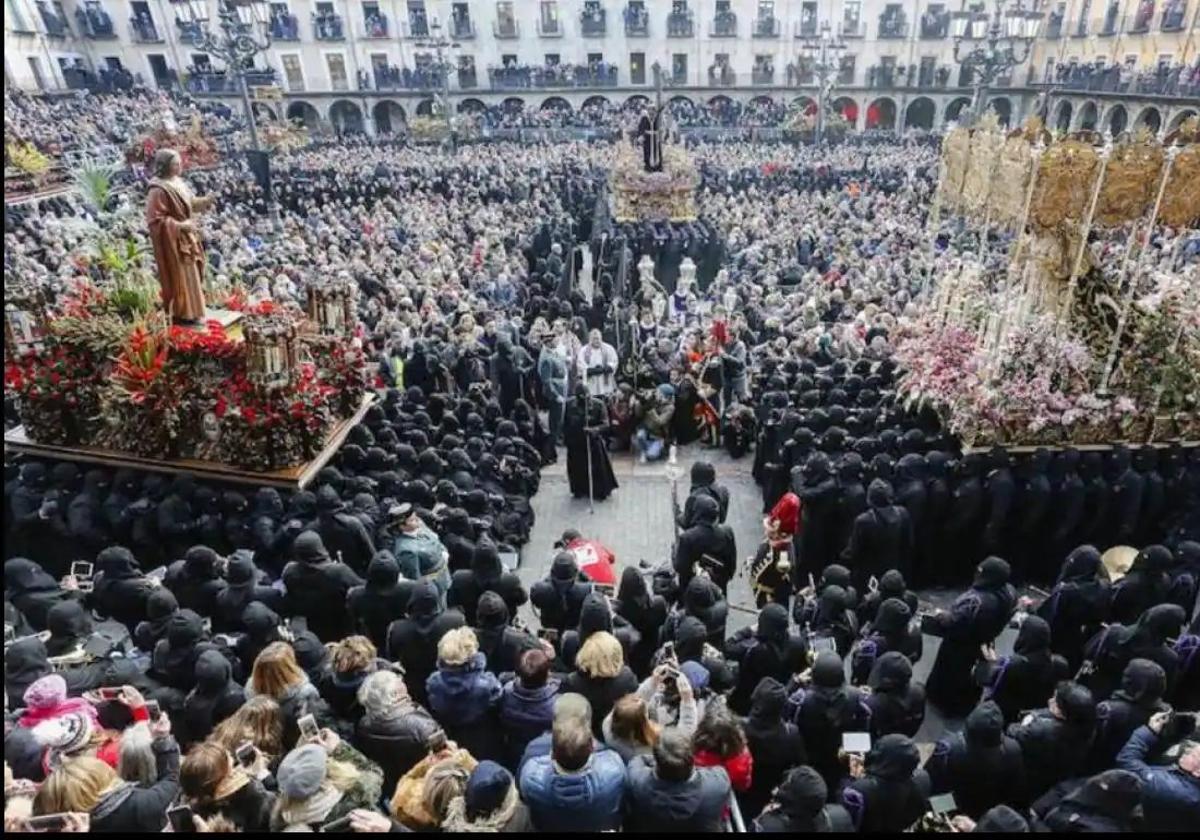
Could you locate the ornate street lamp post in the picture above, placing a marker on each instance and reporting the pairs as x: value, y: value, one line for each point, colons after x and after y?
x: 243, y: 33
x: 439, y: 43
x: 1005, y: 39
x: 826, y: 50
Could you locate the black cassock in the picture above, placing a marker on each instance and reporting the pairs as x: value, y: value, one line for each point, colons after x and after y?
x: 578, y: 439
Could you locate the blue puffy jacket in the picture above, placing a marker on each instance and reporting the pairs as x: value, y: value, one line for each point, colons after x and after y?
x: 1170, y: 797
x: 463, y: 698
x: 589, y: 800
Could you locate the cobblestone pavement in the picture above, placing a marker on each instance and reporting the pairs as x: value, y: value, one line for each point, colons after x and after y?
x: 635, y: 522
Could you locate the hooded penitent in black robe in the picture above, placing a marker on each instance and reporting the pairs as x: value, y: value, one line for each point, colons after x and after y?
x: 585, y: 424
x: 976, y: 617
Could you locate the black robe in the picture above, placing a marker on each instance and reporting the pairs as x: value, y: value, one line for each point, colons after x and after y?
x: 583, y: 432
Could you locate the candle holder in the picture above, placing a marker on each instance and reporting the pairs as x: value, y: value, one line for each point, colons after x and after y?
x: 24, y: 318
x: 272, y: 350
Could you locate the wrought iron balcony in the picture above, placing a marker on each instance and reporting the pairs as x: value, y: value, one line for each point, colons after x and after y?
x: 806, y: 28
x: 375, y: 26
x: 595, y: 24
x: 550, y: 28
x: 95, y: 23
x: 1173, y: 16
x: 1054, y: 26
x: 853, y: 29
x: 467, y: 80
x: 189, y: 30
x: 765, y: 27
x: 285, y: 27
x: 762, y: 77
x: 935, y: 25
x: 637, y: 22
x: 506, y: 29
x: 143, y: 31
x: 462, y: 29
x: 893, y: 26
x: 416, y: 28
x: 328, y: 27
x: 724, y: 25
x: 56, y: 27
x: 681, y: 25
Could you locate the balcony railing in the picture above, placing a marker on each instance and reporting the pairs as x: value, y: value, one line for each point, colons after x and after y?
x: 558, y: 76
x: 467, y: 80
x: 637, y: 22
x: 549, y: 28
x: 762, y: 77
x: 721, y: 77
x: 375, y: 26
x: 340, y: 83
x: 724, y: 25
x: 806, y: 28
x: 1054, y: 27
x: 417, y: 28
x: 681, y: 25
x: 935, y: 25
x: 189, y: 31
x: 854, y: 29
x: 56, y: 27
x: 95, y: 24
x: 507, y: 29
x: 225, y: 83
x: 422, y: 78
x: 328, y: 27
x: 144, y: 31
x: 285, y: 28
x: 765, y: 27
x: 462, y: 29
x: 879, y: 76
x: 595, y: 24
x: 893, y: 26
x: 1172, y: 17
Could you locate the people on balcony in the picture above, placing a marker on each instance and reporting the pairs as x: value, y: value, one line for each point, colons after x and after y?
x: 724, y: 22
x: 418, y: 23
x: 892, y: 23
x: 460, y: 22
x: 94, y: 22
x: 328, y: 26
x: 284, y: 26
x: 720, y: 73
x: 598, y: 74
x: 1163, y: 79
x: 637, y: 19
x: 592, y: 19
x: 143, y: 27
x: 764, y: 70
x: 376, y: 25
x: 935, y: 24
x: 55, y: 25
x: 1055, y: 21
x: 1173, y: 14
x: 680, y: 20
x: 1141, y: 19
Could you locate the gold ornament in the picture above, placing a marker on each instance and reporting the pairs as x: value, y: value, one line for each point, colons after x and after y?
x: 1066, y: 177
x: 1131, y: 181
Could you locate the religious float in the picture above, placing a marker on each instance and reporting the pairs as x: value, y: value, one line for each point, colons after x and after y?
x: 259, y: 392
x: 654, y: 180
x: 197, y: 150
x: 1087, y: 331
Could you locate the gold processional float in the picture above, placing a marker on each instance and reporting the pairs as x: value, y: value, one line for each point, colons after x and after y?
x: 1089, y: 332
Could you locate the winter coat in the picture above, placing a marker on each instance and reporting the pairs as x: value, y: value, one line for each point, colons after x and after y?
x: 895, y: 703
x: 374, y: 605
x: 893, y: 793
x: 412, y: 641
x: 525, y: 713
x: 364, y: 792
x: 318, y: 591
x: 1170, y: 796
x: 588, y: 800
x: 464, y: 698
x: 601, y: 692
x: 215, y: 697
x: 396, y: 742
x: 768, y: 650
x: 134, y: 808
x: 774, y: 744
x: 248, y: 807
x: 656, y: 805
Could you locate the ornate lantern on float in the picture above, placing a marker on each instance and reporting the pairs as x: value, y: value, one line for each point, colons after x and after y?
x: 331, y: 306
x: 272, y: 350
x: 24, y: 318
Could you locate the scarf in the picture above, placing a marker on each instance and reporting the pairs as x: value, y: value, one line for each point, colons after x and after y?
x: 457, y: 820
x: 311, y: 810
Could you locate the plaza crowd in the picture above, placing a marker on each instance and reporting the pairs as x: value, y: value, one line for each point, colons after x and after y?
x: 362, y: 656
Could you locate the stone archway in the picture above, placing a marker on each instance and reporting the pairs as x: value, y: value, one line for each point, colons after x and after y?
x: 1062, y: 116
x: 720, y: 101
x: 595, y: 101
x: 636, y: 102
x: 425, y: 108
x: 848, y: 108
x: 513, y: 105
x: 556, y: 103
x: 920, y: 113
x: 762, y: 100
x: 881, y: 114
x: 389, y: 118
x: 1179, y: 119
x: 304, y: 113
x: 955, y: 109
x: 805, y: 104
x: 1150, y: 118
x: 346, y: 117
x: 264, y: 112
x: 471, y: 106
x: 1002, y: 105
x: 1116, y: 119
x: 680, y: 98
x: 1088, y: 117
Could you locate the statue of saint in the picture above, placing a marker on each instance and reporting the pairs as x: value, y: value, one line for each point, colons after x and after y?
x: 652, y: 131
x: 178, y: 251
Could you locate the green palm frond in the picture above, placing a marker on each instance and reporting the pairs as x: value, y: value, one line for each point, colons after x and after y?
x: 93, y: 181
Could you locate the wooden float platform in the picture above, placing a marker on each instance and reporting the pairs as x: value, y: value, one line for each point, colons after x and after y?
x: 290, y: 478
